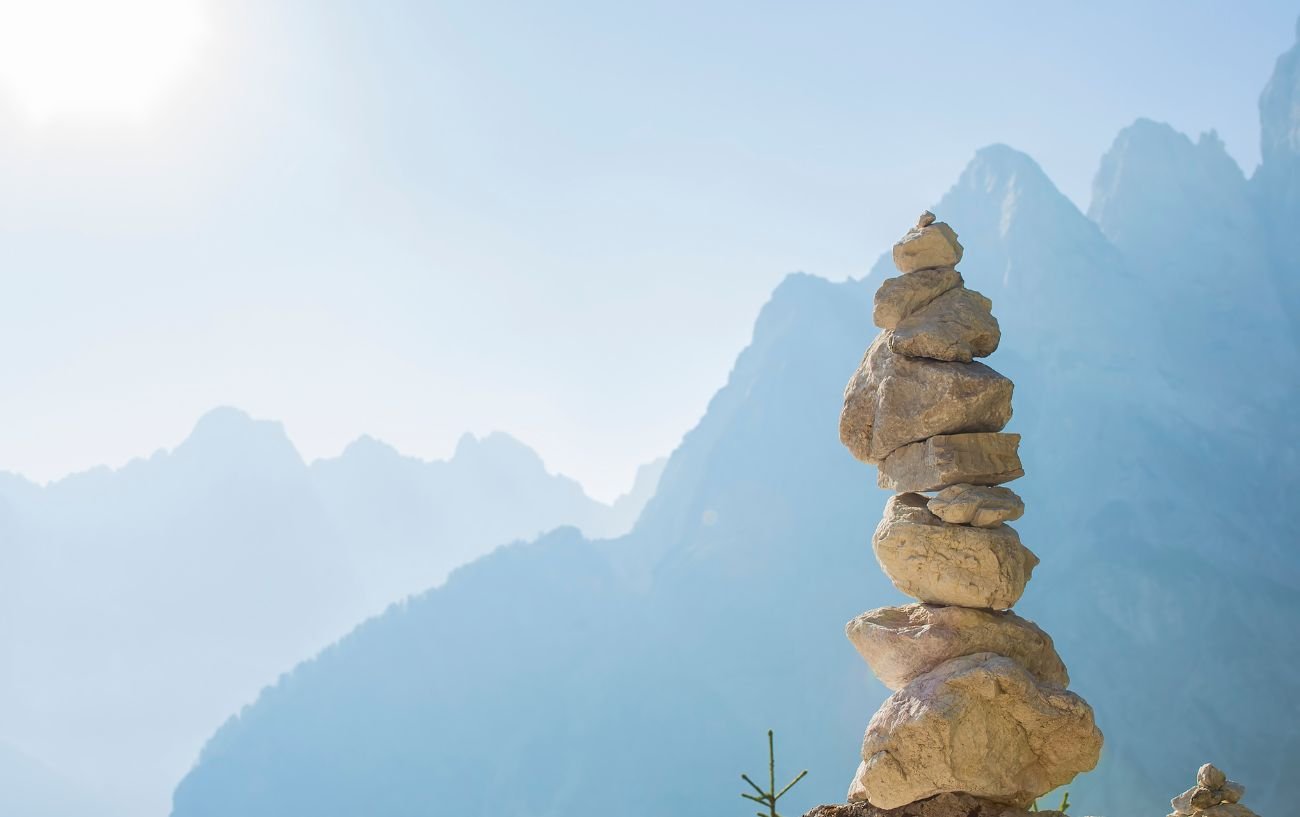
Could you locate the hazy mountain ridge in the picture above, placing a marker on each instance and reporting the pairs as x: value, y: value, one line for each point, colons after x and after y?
x: 1169, y: 576
x: 257, y: 560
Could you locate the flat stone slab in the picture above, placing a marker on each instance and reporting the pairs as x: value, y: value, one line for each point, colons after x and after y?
x: 980, y: 505
x: 902, y: 643
x: 938, y: 563
x: 952, y: 459
x: 957, y: 325
x: 899, y: 297
x: 979, y: 724
x: 893, y: 400
x: 942, y: 805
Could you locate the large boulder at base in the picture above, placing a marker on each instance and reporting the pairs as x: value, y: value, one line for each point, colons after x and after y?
x: 934, y: 245
x: 903, y: 643
x: 938, y: 563
x: 948, y: 804
x: 893, y: 400
x: 936, y: 463
x: 980, y: 505
x: 899, y: 297
x: 979, y: 724
x: 958, y: 325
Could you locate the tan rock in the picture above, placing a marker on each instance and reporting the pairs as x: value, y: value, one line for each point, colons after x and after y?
x: 1193, y: 800
x: 902, y: 295
x: 1227, y: 810
x: 958, y: 325
x: 1210, y: 776
x: 893, y: 400
x: 925, y: 220
x: 948, y: 804
x: 936, y: 463
x: 902, y: 643
x: 1231, y: 791
x: 981, y: 505
x: 932, y: 245
x: 978, y: 724
x: 938, y: 563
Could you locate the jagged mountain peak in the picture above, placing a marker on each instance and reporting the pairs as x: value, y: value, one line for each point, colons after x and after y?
x: 1279, y: 109
x: 230, y: 435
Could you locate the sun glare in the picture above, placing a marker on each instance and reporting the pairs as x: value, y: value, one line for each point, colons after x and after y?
x: 95, y: 57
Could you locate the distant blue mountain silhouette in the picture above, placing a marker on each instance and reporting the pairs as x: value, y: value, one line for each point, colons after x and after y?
x: 140, y: 606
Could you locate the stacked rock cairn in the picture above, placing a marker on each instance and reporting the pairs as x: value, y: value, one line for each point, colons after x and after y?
x: 1214, y: 795
x: 980, y: 721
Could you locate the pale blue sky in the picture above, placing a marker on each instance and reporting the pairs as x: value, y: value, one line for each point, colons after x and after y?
x: 413, y: 219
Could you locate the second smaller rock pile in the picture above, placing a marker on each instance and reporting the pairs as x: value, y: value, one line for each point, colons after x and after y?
x: 1214, y: 795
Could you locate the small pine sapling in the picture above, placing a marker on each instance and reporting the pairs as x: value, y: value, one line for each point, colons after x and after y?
x: 769, y: 797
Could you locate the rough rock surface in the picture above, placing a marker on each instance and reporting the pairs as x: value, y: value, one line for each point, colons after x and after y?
x: 981, y: 505
x: 978, y: 724
x: 938, y: 563
x: 937, y: 463
x: 933, y: 245
x: 893, y: 400
x: 902, y: 643
x: 942, y: 805
x: 899, y: 297
x: 957, y: 325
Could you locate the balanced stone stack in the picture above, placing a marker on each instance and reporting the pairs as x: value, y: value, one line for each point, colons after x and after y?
x: 1214, y: 795
x: 980, y: 711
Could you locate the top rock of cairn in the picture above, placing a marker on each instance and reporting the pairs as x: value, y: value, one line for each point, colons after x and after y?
x: 980, y: 721
x: 928, y: 245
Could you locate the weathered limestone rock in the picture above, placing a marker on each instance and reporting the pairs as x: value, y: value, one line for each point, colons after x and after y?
x: 902, y: 643
x: 899, y: 297
x: 893, y: 400
x: 980, y: 505
x: 938, y: 563
x: 948, y: 804
x: 936, y: 463
x: 1210, y: 776
x: 957, y: 325
x: 1226, y: 810
x: 1214, y: 795
x: 930, y: 245
x: 978, y: 724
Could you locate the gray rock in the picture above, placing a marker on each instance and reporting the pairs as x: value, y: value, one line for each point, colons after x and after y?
x: 932, y: 245
x: 978, y: 724
x: 948, y: 804
x: 957, y: 325
x: 893, y: 400
x: 938, y: 563
x: 902, y: 643
x: 942, y: 461
x: 981, y: 505
x: 902, y: 295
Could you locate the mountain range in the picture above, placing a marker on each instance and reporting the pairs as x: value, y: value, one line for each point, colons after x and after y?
x: 140, y: 606
x: 1153, y: 342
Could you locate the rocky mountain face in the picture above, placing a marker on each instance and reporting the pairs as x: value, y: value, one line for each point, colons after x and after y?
x: 1150, y: 346
x: 139, y: 607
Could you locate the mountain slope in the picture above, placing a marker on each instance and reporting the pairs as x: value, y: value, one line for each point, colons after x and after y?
x: 140, y: 606
x: 731, y: 591
x: 1160, y: 460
